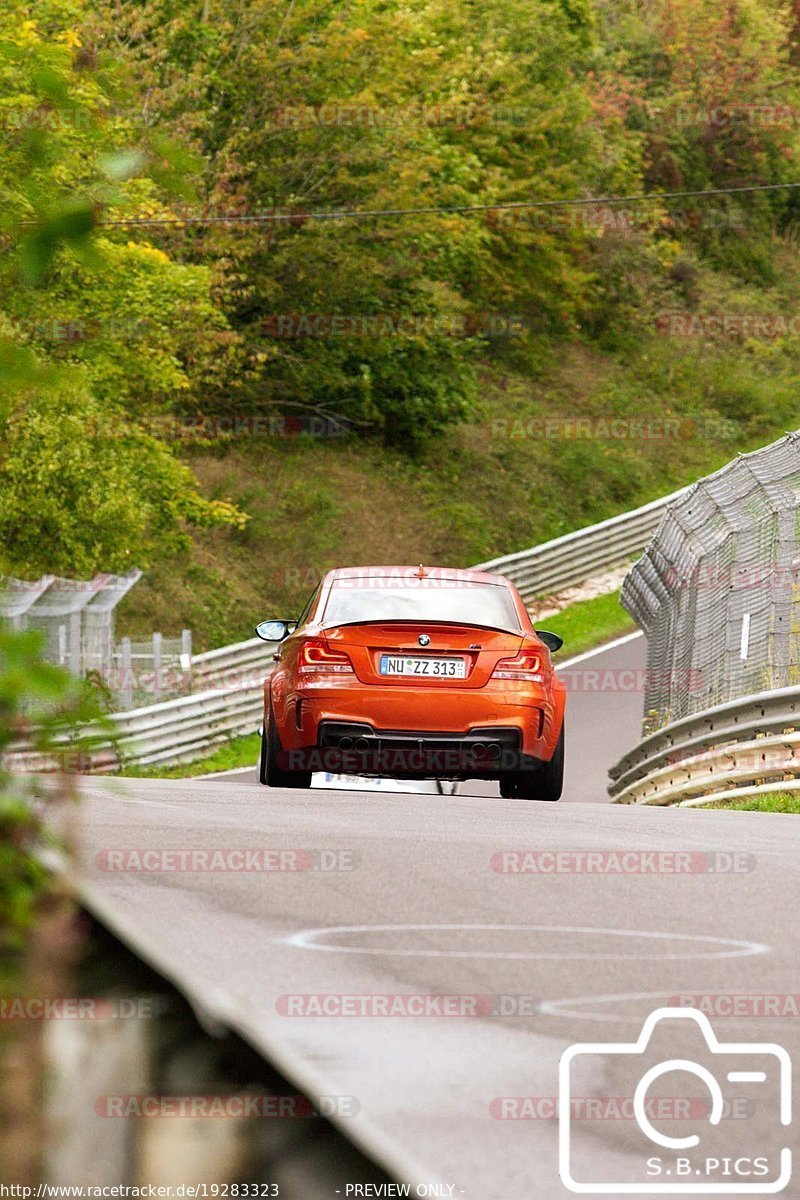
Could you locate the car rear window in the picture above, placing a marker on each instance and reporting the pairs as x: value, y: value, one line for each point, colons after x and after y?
x: 376, y: 599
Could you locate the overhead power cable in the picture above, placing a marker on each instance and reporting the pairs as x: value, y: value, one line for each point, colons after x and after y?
x: 295, y: 216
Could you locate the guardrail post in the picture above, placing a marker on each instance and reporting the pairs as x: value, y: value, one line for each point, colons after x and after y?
x: 75, y: 647
x: 158, y: 688
x: 62, y: 645
x: 126, y: 691
x: 186, y: 658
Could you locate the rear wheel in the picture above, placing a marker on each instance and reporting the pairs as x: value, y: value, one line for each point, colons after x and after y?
x: 542, y: 783
x: 269, y: 772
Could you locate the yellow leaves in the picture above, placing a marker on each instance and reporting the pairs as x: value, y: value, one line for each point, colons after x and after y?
x: 667, y: 252
x: 148, y: 251
x: 27, y: 34
x: 224, y: 512
x: 70, y: 39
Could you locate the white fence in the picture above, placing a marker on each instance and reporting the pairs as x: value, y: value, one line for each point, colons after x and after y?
x: 148, y: 671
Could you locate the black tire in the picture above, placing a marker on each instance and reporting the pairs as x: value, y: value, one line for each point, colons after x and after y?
x: 262, y: 758
x: 543, y: 783
x: 508, y: 785
x: 269, y: 773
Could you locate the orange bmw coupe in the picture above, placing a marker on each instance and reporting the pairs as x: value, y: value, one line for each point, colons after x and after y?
x: 414, y: 673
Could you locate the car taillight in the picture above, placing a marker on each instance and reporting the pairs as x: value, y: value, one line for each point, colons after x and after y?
x: 525, y: 665
x: 317, y: 655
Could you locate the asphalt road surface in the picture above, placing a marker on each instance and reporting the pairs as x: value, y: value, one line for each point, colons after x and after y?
x: 513, y: 957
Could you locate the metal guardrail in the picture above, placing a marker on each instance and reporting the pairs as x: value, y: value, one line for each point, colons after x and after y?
x: 214, y: 667
x: 747, y: 745
x: 231, y: 678
x: 572, y: 559
x: 186, y: 727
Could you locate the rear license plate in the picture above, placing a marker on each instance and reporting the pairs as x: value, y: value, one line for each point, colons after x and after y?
x: 427, y: 668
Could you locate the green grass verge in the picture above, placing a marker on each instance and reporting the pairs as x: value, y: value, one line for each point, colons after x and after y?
x: 238, y: 752
x: 589, y: 623
x: 777, y: 802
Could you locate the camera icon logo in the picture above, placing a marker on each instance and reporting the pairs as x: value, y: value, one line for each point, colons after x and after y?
x: 649, y: 1160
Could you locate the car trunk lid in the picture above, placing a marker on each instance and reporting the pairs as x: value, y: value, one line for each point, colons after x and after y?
x: 390, y: 652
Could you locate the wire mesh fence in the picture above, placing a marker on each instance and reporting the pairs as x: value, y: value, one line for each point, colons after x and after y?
x: 717, y: 592
x: 76, y: 617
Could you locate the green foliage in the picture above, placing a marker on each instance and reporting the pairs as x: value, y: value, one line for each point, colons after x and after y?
x: 57, y: 721
x: 707, y: 87
x: 97, y: 335
x: 262, y: 107
x: 384, y: 106
x: 92, y: 488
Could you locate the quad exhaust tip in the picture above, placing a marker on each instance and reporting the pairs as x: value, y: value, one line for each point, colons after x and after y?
x: 360, y: 743
x: 481, y: 749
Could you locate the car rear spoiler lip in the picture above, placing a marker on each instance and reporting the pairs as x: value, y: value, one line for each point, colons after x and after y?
x: 422, y: 621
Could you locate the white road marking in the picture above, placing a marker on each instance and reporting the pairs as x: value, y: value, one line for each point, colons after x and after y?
x: 307, y: 939
x: 575, y: 1011
x: 231, y: 771
x: 620, y: 641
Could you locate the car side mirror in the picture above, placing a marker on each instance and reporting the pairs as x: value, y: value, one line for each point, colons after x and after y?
x: 551, y: 640
x: 273, y: 631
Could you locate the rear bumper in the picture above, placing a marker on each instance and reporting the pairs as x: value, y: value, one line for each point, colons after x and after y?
x: 348, y: 749
x: 396, y: 732
x: 483, y: 752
